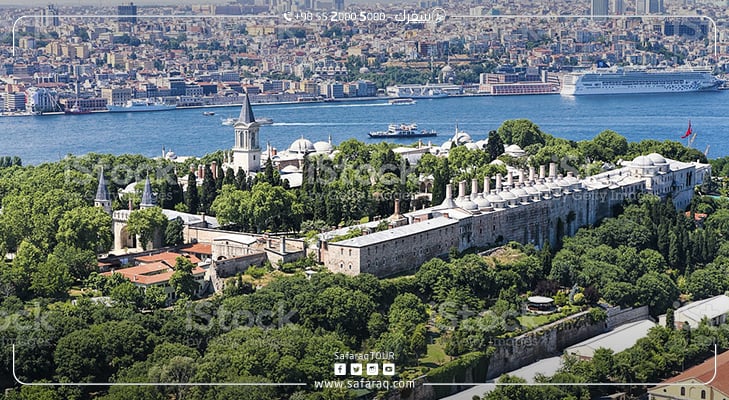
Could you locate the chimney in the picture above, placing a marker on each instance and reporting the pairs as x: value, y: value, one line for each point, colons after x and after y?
x: 542, y: 173
x: 283, y: 244
x: 552, y: 170
x: 214, y: 169
x: 200, y: 172
x: 462, y: 189
x: 449, y: 191
x: 397, y: 207
x: 531, y: 174
x: 509, y: 179
x: 486, y: 185
x: 498, y: 182
x: 474, y: 188
x: 521, y: 178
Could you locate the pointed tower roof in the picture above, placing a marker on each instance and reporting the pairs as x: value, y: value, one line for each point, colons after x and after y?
x: 246, y: 112
x: 102, y: 192
x: 147, y: 199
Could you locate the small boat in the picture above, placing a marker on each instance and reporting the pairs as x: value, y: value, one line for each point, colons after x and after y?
x: 208, y: 113
x: 402, y: 131
x: 401, y: 102
x: 260, y: 120
x: 76, y: 110
x: 264, y: 120
x: 229, y: 121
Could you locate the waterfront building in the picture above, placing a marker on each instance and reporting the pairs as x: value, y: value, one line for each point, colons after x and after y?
x: 523, y: 207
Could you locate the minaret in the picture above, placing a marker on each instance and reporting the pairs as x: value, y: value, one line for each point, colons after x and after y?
x: 247, y: 150
x: 102, y: 199
x: 147, y: 198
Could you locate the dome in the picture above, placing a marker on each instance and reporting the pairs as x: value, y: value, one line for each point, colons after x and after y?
x: 542, y: 188
x: 507, y: 196
x: 564, y: 183
x: 656, y: 158
x: 531, y: 190
x: 323, y: 147
x: 642, y: 161
x: 494, y: 198
x: 170, y: 155
x: 472, y: 146
x: 364, y: 70
x: 447, y: 145
x: 290, y: 169
x: 481, y: 202
x: 302, y: 146
x: 519, y: 192
x: 466, y: 203
x: 482, y: 144
x: 462, y: 138
x: 512, y: 148
x: 496, y: 162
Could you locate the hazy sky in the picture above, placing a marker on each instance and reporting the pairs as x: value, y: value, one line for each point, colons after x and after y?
x: 107, y: 3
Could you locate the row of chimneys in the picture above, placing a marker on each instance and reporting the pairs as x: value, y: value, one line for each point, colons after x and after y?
x: 499, y: 184
x: 200, y: 173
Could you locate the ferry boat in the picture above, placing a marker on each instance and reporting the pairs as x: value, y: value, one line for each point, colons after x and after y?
x: 401, y: 102
x: 76, y: 110
x: 141, y: 105
x: 261, y: 120
x: 631, y: 81
x: 402, y: 131
x: 416, y: 92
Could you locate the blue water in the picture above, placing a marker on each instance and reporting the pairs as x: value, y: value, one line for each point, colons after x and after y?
x: 188, y: 132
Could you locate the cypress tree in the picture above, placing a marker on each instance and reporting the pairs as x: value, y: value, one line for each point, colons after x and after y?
x: 240, y: 179
x: 192, y: 200
x: 229, y: 178
x: 208, y: 190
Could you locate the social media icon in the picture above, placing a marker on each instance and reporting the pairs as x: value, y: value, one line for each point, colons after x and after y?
x: 355, y: 369
x: 388, y: 369
x: 373, y: 369
x: 340, y: 369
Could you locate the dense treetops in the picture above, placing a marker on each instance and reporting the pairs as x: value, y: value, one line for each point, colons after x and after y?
x: 288, y: 330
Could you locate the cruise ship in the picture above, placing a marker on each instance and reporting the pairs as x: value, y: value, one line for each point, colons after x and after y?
x: 625, y: 81
x: 416, y: 92
x: 140, y: 105
x: 402, y: 131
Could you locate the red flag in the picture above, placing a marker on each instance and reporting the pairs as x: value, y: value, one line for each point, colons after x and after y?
x: 688, y: 131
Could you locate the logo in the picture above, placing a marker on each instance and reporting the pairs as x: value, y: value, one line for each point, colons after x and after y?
x: 355, y: 369
x: 340, y: 369
x: 388, y: 369
x: 373, y: 369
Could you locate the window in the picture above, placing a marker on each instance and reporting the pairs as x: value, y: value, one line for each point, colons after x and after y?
x: 703, y: 394
x: 683, y: 391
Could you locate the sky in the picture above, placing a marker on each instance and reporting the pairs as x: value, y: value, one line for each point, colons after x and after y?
x: 107, y: 3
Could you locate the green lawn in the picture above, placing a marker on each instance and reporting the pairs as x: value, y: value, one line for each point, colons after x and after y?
x: 436, y: 356
x: 532, y: 321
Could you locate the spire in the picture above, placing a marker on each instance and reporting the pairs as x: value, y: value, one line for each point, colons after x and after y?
x: 246, y: 112
x: 147, y: 199
x: 102, y: 193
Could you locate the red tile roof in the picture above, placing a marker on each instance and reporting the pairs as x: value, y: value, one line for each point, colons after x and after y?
x: 169, y: 257
x: 704, y: 372
x: 152, y: 273
x: 199, y: 248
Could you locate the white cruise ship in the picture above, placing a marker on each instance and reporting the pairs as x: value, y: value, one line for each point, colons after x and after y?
x: 141, y: 105
x: 624, y: 81
x: 416, y: 92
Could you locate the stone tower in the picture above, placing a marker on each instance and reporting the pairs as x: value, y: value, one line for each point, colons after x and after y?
x: 247, y: 148
x: 102, y: 198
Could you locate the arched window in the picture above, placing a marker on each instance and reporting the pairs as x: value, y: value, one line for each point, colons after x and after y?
x: 683, y: 391
x: 703, y: 394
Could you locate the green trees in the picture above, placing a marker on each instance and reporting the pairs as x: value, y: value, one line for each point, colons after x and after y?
x: 192, y: 200
x: 182, y: 279
x: 174, y: 232
x: 147, y: 223
x: 85, y: 228
x: 264, y: 207
x: 521, y: 132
